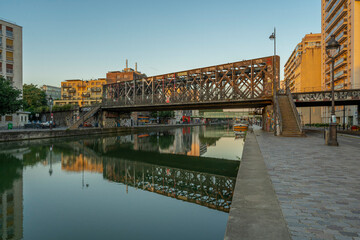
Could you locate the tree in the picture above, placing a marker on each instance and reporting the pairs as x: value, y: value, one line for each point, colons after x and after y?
x: 34, y: 97
x: 10, y: 97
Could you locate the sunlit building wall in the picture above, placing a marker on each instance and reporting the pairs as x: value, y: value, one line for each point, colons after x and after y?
x: 303, y: 73
x: 342, y: 19
x: 81, y: 92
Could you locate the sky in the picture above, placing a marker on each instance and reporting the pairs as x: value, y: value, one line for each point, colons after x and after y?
x: 85, y: 39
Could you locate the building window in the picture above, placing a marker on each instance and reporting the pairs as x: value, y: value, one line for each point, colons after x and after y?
x: 9, y: 32
x: 22, y: 118
x: 8, y: 118
x: 25, y: 118
x: 10, y: 79
x: 0, y: 118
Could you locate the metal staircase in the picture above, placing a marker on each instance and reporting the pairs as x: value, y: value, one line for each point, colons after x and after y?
x: 85, y: 117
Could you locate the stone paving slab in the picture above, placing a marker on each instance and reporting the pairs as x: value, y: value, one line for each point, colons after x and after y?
x: 255, y: 212
x: 318, y: 186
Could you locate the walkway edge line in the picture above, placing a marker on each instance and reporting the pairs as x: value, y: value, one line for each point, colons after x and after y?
x: 255, y: 212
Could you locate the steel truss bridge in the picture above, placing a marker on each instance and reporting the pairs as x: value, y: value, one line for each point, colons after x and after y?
x: 323, y: 98
x: 240, y: 84
x: 209, y: 190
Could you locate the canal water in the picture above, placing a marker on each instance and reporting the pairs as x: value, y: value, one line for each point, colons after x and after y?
x: 174, y: 184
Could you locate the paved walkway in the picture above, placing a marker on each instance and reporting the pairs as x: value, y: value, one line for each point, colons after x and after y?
x: 318, y: 186
x: 255, y: 211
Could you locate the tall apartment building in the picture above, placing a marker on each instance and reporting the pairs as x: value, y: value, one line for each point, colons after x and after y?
x: 11, y: 66
x: 81, y: 93
x: 342, y: 19
x: 303, y: 73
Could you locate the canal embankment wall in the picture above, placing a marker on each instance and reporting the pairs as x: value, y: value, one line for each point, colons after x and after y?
x: 255, y: 212
x: 18, y: 135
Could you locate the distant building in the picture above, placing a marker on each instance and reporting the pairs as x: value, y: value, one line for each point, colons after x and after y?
x: 11, y: 66
x: 127, y: 74
x: 51, y: 91
x: 303, y: 68
x: 342, y: 19
x: 303, y: 73
x: 80, y: 92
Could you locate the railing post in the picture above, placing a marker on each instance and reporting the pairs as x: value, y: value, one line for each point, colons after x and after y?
x: 152, y: 90
x: 142, y: 91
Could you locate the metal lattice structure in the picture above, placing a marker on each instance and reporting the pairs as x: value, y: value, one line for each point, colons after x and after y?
x: 323, y: 98
x: 212, y: 191
x: 248, y: 80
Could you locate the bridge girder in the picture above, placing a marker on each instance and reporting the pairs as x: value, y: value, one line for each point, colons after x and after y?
x: 233, y: 85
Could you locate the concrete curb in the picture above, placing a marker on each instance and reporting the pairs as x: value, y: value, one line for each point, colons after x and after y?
x: 255, y: 211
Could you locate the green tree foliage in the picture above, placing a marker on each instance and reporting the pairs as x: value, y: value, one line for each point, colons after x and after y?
x: 10, y: 101
x: 33, y: 97
x: 9, y: 171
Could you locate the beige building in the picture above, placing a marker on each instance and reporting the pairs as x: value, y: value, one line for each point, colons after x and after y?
x: 303, y: 73
x: 80, y: 92
x: 11, y: 66
x: 342, y: 19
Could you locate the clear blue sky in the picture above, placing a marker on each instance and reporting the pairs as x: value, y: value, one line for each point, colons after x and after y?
x: 68, y: 39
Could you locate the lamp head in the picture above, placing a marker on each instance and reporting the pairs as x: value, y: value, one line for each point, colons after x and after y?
x: 333, y: 47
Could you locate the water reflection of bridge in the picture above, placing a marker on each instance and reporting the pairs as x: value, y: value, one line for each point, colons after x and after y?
x: 212, y: 191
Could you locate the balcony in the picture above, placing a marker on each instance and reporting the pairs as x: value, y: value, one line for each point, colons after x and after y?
x: 332, y: 10
x: 9, y: 48
x: 85, y: 95
x: 72, y: 90
x: 64, y: 86
x: 340, y: 13
x: 340, y: 25
x: 96, y: 89
x: 81, y: 85
x: 10, y: 60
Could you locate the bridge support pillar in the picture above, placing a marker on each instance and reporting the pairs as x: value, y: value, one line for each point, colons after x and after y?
x: 268, y: 122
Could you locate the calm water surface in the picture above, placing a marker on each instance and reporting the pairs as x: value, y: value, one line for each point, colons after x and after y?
x: 175, y: 184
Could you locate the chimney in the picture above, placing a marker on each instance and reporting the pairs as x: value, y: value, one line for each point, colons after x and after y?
x: 126, y: 63
x: 136, y: 67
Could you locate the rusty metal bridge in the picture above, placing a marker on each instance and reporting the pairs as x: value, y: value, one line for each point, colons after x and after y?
x: 240, y: 84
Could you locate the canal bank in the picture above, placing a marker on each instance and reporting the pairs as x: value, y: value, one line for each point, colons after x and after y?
x: 255, y: 211
x: 6, y: 136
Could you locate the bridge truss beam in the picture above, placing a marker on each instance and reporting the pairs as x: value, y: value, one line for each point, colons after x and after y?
x: 245, y: 81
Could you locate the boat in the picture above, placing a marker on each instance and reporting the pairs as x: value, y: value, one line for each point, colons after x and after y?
x: 240, y: 127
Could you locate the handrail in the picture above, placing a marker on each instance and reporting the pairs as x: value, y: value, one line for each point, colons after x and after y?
x: 293, y: 107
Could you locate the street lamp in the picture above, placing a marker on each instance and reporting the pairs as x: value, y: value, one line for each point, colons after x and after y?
x: 277, y: 126
x: 332, y: 50
x: 51, y: 102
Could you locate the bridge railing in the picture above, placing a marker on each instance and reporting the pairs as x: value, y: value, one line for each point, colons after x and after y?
x: 251, y: 79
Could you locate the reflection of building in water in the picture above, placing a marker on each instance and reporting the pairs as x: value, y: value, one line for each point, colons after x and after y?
x: 205, y: 189
x: 81, y: 162
x: 11, y: 211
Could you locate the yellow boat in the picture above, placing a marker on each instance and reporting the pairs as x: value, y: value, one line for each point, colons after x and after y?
x: 240, y: 127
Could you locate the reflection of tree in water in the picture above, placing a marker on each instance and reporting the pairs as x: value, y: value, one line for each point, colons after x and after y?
x: 208, y: 141
x: 36, y: 154
x: 9, y: 171
x: 166, y: 141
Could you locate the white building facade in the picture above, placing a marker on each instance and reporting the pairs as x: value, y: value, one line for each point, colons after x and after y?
x: 11, y: 67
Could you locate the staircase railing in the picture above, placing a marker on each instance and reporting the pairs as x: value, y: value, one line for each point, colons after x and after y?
x: 85, y: 117
x: 293, y: 107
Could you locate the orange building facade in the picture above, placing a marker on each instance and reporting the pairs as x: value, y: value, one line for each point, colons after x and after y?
x: 80, y: 92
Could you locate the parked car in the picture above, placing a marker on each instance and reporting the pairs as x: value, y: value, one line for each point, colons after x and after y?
x: 47, y: 124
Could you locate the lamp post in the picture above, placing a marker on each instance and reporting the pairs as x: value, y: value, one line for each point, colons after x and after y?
x: 51, y: 102
x: 332, y: 50
x: 276, y: 130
